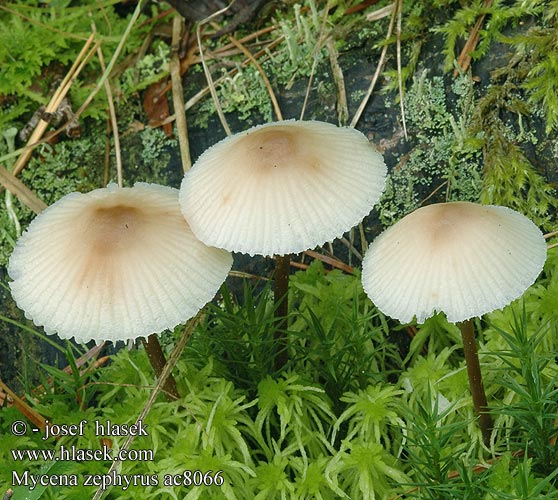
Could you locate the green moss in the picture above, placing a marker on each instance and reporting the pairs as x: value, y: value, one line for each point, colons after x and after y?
x: 539, y: 47
x: 506, y: 122
x: 39, y: 40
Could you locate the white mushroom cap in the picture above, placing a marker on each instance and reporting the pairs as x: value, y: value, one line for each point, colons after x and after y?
x: 114, y: 264
x: 282, y: 187
x: 460, y: 258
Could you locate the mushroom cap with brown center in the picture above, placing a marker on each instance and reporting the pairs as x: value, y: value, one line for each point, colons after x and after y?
x: 114, y: 264
x: 282, y: 187
x: 460, y: 258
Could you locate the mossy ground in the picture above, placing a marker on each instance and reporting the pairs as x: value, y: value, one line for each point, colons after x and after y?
x: 487, y: 134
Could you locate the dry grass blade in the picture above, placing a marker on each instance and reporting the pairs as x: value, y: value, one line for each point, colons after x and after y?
x: 190, y: 103
x: 317, y: 48
x: 208, y: 76
x: 175, y: 355
x: 64, y: 87
x: 225, y: 51
x: 86, y: 52
x: 196, y: 98
x: 379, y: 68
x: 113, y: 120
x: 247, y: 38
x: 112, y: 61
x: 551, y: 235
x: 23, y: 193
x: 24, y: 408
x: 433, y: 192
x: 178, y: 94
x: 399, y: 8
x: 380, y: 13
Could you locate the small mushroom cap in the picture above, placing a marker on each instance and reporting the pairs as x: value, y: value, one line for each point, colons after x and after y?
x: 282, y: 187
x: 114, y: 264
x: 460, y: 258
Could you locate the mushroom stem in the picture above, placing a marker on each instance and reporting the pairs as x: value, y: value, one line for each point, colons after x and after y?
x: 475, y: 379
x: 282, y: 267
x: 157, y: 359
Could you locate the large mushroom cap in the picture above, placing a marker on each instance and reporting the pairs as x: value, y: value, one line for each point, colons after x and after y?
x: 282, y: 188
x: 114, y: 264
x: 460, y: 258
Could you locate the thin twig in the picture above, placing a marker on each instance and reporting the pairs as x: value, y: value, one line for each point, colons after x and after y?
x: 332, y: 261
x: 208, y: 76
x: 350, y: 245
x: 433, y: 192
x: 178, y: 94
x: 243, y: 275
x: 337, y: 72
x: 550, y: 235
x: 175, y: 355
x: 379, y: 68
x: 465, y: 57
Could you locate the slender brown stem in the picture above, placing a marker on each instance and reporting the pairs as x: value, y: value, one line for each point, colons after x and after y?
x: 475, y: 379
x: 157, y: 359
x: 282, y: 267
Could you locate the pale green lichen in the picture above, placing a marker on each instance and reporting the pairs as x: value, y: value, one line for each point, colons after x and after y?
x: 444, y: 158
x: 148, y: 156
x: 244, y: 93
x: 293, y: 58
x: 148, y: 70
x: 53, y: 171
